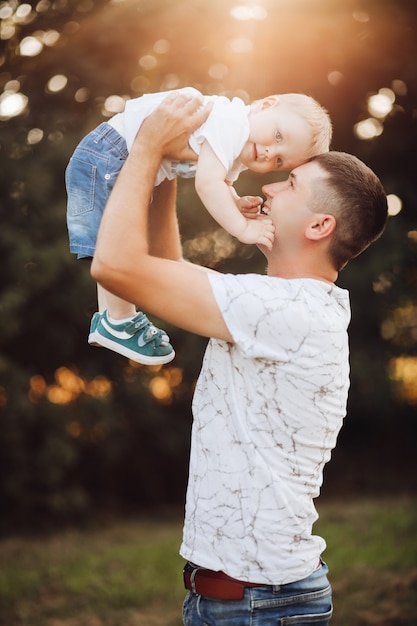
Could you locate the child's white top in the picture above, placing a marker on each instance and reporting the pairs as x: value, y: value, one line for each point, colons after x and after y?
x: 226, y: 130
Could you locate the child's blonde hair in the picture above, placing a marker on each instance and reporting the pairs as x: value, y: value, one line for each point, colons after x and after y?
x: 316, y: 117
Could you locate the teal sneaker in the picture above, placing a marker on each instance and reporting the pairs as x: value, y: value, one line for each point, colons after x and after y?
x: 138, y: 339
x: 94, y: 321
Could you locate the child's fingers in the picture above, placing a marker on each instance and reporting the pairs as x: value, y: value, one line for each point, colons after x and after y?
x: 267, y: 237
x: 252, y: 201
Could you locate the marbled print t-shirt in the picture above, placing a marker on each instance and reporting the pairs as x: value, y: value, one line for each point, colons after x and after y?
x: 267, y: 410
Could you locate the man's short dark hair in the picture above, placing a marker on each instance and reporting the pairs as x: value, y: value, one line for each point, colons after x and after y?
x: 353, y: 193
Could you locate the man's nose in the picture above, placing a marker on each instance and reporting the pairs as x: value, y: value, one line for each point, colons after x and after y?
x: 268, y: 190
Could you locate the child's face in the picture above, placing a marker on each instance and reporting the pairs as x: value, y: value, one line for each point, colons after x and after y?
x: 278, y: 140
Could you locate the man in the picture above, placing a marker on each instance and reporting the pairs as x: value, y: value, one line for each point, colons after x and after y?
x: 272, y: 391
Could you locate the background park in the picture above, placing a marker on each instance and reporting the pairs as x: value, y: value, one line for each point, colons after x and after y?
x: 93, y: 447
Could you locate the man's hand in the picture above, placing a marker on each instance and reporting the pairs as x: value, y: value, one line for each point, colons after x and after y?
x: 166, y: 131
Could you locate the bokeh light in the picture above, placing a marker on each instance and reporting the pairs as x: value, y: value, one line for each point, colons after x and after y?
x: 368, y: 129
x: 35, y: 135
x: 380, y: 104
x: 30, y: 47
x: 12, y: 104
x: 112, y: 105
x: 394, y: 204
x: 240, y: 45
x: 248, y: 12
x: 57, y: 83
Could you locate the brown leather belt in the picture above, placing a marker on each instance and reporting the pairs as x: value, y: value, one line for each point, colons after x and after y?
x: 216, y: 585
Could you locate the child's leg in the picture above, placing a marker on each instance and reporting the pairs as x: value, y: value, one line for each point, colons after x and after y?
x: 90, y: 176
x: 119, y: 327
x: 117, y: 308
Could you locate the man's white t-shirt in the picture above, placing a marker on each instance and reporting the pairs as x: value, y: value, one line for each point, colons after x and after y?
x: 226, y: 130
x: 267, y: 411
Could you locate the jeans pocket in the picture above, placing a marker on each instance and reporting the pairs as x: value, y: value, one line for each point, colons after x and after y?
x: 80, y: 179
x: 312, y: 619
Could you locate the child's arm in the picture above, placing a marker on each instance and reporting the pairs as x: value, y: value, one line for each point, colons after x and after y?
x: 216, y: 195
x: 249, y: 206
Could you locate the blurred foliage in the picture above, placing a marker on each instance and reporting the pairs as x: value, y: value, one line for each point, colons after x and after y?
x: 84, y: 429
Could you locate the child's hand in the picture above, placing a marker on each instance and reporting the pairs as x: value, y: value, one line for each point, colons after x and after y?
x: 259, y: 230
x: 249, y: 206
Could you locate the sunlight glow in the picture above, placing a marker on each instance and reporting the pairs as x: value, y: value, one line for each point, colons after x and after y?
x: 6, y: 11
x: 394, y: 204
x: 82, y: 94
x: 7, y: 31
x: 160, y: 389
x: 50, y: 37
x: 403, y: 372
x: 12, y: 104
x: 360, y: 16
x: 30, y: 47
x: 248, y: 12
x: 148, y: 62
x: 34, y: 136
x: 335, y: 78
x: 380, y: 104
x: 22, y: 12
x: 68, y: 387
x: 112, y: 105
x: 399, y: 87
x: 42, y: 6
x: 57, y: 83
x: 240, y: 45
x: 140, y: 84
x: 400, y: 325
x: 218, y: 71
x: 368, y: 129
x: 13, y: 15
x: 381, y: 285
x: 162, y: 46
x: 210, y: 248
x: 163, y: 384
x: 170, y: 81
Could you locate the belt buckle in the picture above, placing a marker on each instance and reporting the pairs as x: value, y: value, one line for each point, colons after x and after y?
x: 211, y: 586
x: 192, y: 571
x: 192, y: 578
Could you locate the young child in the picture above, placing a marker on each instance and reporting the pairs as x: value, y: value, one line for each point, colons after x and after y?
x: 278, y: 132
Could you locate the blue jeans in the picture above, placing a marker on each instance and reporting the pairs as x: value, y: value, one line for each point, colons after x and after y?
x: 90, y: 177
x: 305, y: 602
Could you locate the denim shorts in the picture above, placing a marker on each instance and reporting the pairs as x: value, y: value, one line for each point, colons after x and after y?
x: 89, y: 178
x: 306, y: 602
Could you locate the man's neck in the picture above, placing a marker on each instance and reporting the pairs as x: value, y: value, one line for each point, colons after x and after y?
x: 293, y: 271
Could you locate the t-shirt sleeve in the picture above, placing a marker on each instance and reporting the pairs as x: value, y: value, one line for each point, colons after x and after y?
x: 274, y: 318
x: 258, y: 313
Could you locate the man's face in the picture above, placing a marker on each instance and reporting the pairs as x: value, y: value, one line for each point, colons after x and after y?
x: 278, y: 140
x: 289, y: 202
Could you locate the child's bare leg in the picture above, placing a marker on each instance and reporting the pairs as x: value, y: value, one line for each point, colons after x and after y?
x: 117, y: 308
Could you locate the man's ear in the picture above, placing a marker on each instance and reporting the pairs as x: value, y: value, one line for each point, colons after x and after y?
x: 321, y: 225
x: 269, y: 101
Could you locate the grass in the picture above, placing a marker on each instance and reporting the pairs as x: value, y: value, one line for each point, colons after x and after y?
x: 130, y: 573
